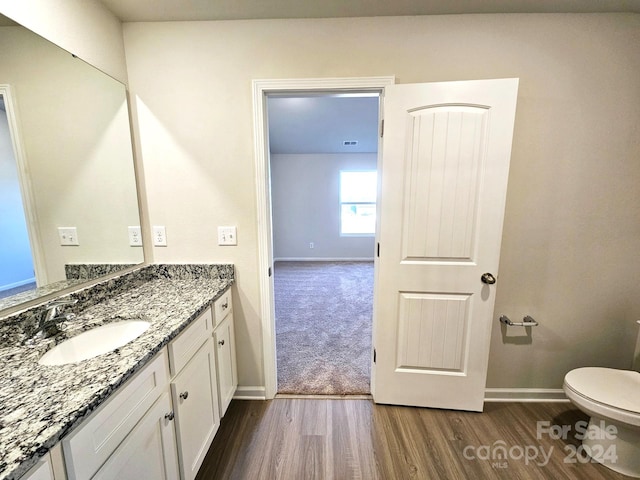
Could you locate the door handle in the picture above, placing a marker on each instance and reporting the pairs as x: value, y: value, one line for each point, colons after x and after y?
x: 488, y: 278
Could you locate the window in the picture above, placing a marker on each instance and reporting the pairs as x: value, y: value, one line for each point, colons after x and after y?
x: 358, y: 202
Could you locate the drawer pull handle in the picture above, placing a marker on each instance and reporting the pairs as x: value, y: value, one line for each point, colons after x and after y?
x: 225, y: 305
x: 184, y: 395
x: 169, y: 416
x: 221, y: 342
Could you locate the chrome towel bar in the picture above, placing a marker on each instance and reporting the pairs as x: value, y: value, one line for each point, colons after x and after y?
x: 526, y: 322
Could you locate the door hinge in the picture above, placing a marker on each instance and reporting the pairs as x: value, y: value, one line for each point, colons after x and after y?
x: 378, y: 249
x: 269, y: 271
x: 374, y: 355
x: 382, y: 128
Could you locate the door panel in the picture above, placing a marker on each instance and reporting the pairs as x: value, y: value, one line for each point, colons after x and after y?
x: 444, y: 175
x: 445, y: 155
x: 432, y: 331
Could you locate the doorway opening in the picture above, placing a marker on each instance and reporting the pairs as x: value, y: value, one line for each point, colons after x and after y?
x: 323, y: 155
x: 262, y: 89
x: 17, y: 273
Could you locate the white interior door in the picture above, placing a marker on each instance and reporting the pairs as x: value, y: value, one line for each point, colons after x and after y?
x: 445, y: 163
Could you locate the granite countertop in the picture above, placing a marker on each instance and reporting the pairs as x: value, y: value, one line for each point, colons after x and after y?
x: 41, y: 404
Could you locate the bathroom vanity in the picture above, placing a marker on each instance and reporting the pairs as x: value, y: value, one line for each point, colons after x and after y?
x: 149, y: 409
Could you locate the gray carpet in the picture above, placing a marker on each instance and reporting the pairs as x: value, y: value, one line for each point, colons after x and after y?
x: 323, y: 327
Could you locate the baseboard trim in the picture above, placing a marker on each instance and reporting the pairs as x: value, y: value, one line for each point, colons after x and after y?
x: 491, y: 395
x: 250, y: 393
x: 323, y: 259
x: 323, y: 397
x: 9, y: 286
x: 525, y: 395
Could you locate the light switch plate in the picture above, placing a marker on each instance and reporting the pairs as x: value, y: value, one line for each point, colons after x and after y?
x: 159, y: 237
x: 227, y: 236
x: 135, y: 236
x: 68, y: 236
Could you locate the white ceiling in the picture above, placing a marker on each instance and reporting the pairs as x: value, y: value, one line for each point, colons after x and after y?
x: 167, y: 10
x: 321, y: 124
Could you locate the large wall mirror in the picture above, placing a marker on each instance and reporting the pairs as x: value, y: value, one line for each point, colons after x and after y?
x: 65, y: 162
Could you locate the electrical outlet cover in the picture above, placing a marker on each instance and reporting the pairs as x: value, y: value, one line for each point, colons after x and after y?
x: 68, y: 236
x: 227, y: 236
x: 135, y: 236
x: 159, y: 236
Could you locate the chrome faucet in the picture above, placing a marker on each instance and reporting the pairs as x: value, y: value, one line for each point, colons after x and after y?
x: 51, y: 319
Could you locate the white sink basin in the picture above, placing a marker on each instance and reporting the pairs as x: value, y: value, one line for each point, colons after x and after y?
x: 94, y: 342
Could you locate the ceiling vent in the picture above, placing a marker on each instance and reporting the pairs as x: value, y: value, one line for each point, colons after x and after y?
x: 350, y: 143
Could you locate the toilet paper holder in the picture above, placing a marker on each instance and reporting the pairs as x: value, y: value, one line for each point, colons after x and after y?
x: 527, y: 321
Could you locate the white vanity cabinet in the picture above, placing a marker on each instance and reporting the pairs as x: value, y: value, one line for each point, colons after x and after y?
x: 161, y: 423
x: 195, y: 394
x: 225, y: 345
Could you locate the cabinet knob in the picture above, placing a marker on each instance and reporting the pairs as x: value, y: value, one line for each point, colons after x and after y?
x: 225, y: 305
x: 221, y: 342
x: 184, y: 395
x: 169, y: 416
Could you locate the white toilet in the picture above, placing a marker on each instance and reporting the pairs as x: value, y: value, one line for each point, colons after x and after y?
x: 612, y: 398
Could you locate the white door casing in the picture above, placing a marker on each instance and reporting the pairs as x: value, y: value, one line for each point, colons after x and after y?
x: 262, y: 88
x: 444, y: 171
x: 26, y: 189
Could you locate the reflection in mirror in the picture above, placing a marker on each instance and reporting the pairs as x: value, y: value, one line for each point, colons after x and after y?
x: 65, y: 163
x: 17, y: 274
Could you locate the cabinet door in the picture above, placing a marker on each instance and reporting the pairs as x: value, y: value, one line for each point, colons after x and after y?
x: 195, y: 401
x: 42, y: 470
x: 90, y: 445
x: 149, y: 451
x: 224, y: 336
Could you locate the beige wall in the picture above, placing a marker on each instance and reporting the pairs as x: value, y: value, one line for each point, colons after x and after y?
x: 571, y: 231
x: 572, y: 228
x: 83, y: 27
x: 305, y: 206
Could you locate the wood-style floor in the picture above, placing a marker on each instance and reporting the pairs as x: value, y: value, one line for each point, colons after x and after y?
x: 296, y: 439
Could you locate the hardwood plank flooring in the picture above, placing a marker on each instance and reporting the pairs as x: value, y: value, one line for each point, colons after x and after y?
x: 317, y: 438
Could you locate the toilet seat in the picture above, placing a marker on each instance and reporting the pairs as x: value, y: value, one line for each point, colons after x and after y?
x: 606, y: 392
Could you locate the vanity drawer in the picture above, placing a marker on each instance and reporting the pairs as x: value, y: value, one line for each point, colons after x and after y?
x: 185, y: 345
x: 222, y: 307
x: 87, y: 448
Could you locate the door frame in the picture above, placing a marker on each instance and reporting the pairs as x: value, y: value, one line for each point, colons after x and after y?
x: 26, y: 189
x: 261, y: 88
